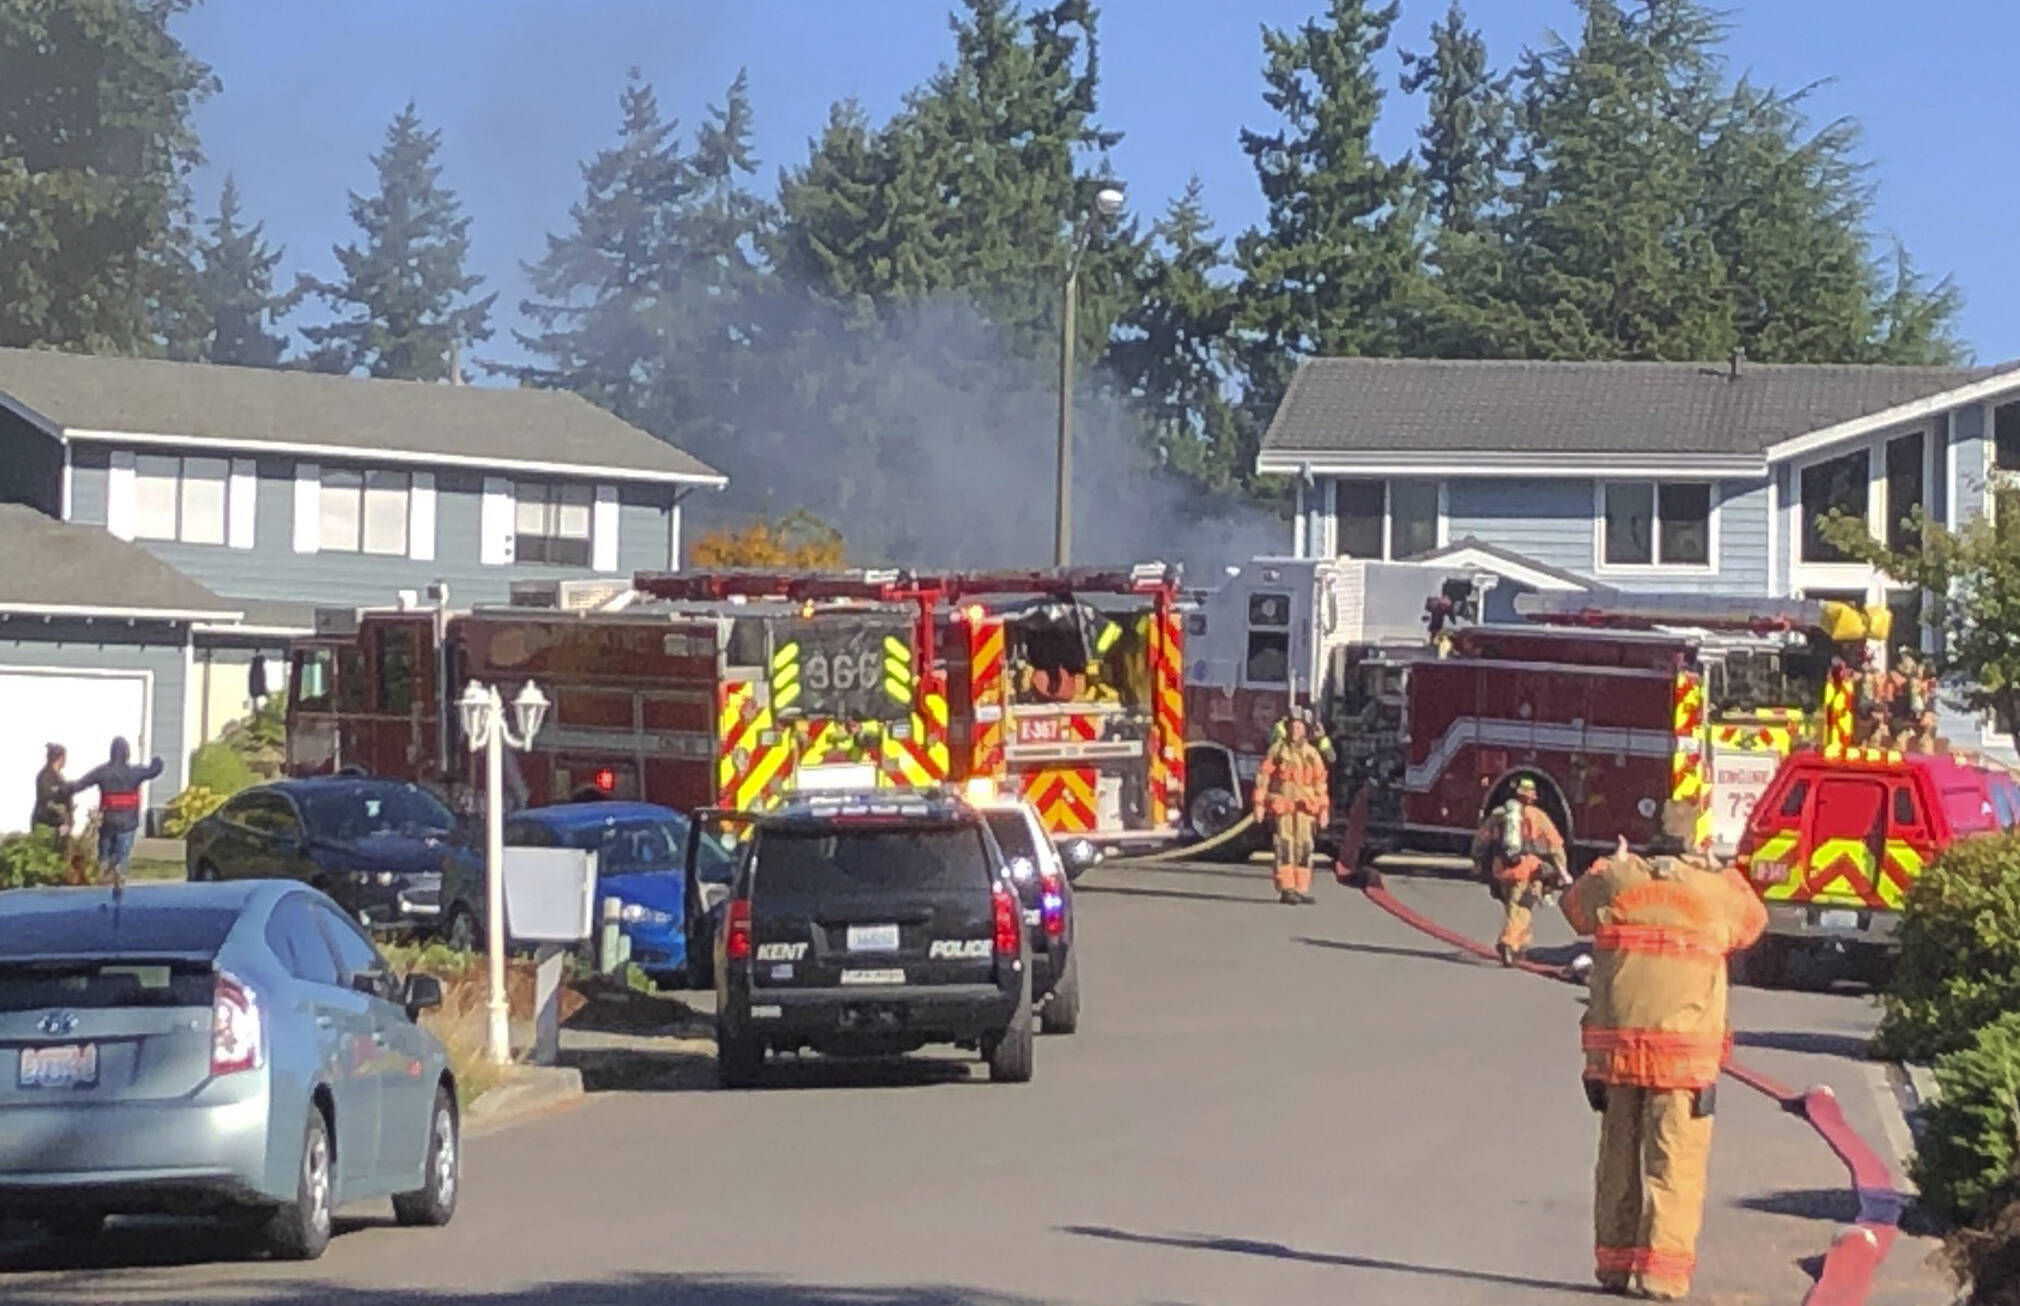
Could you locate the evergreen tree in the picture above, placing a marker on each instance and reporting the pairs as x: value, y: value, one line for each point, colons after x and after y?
x: 1171, y: 353
x: 95, y: 150
x: 603, y: 312
x: 1334, y: 267
x: 233, y: 293
x: 403, y: 303
x: 837, y: 237
x: 1917, y: 321
x: 1467, y: 129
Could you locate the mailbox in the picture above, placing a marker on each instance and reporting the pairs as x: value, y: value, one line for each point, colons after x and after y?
x: 550, y: 895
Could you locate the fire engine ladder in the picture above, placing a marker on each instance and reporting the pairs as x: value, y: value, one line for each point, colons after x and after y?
x: 1840, y: 622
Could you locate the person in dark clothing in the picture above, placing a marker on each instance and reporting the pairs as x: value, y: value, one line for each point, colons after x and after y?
x: 52, y: 798
x: 118, y: 783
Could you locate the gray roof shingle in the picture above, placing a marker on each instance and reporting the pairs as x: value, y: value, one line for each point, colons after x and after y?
x: 1462, y: 406
x: 53, y: 564
x: 202, y: 401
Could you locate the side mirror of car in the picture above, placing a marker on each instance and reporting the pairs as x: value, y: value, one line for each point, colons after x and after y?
x: 422, y: 993
x: 371, y: 983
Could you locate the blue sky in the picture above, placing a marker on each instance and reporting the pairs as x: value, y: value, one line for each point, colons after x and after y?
x: 524, y: 89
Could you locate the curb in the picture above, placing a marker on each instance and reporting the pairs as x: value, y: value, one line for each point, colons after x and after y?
x: 1854, y: 1256
x: 526, y: 1090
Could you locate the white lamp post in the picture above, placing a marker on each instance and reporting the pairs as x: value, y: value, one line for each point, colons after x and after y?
x: 484, y: 726
x: 1108, y: 202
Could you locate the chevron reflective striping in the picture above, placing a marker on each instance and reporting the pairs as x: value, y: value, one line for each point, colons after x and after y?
x: 898, y: 677
x: 1848, y: 860
x: 785, y: 680
x: 1064, y: 800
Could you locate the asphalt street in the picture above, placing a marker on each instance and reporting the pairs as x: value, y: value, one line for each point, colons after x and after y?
x: 1264, y: 1105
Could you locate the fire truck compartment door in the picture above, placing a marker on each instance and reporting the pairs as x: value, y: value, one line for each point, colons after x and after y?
x: 1845, y: 834
x: 1738, y: 778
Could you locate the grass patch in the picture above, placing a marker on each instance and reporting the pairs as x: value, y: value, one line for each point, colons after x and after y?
x: 156, y: 868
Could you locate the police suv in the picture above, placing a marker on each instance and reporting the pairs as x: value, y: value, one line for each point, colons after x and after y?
x: 871, y: 925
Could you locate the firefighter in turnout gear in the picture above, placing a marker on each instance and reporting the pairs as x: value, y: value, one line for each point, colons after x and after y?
x: 1655, y: 1036
x: 1294, y: 790
x: 1521, y: 851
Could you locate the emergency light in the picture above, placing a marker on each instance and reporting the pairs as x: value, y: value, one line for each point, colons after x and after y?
x: 606, y: 780
x: 980, y: 789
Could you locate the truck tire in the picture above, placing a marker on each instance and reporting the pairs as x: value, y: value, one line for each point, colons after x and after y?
x: 1010, y: 1052
x: 1061, y: 1012
x: 738, y: 1058
x: 1765, y: 965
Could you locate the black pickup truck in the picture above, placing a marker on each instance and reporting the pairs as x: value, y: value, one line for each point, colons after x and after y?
x: 872, y: 925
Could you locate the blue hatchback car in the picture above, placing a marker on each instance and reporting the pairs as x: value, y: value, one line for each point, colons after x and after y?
x: 640, y: 849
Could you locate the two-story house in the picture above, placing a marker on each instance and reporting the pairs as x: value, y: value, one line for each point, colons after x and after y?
x: 176, y: 521
x: 1710, y: 478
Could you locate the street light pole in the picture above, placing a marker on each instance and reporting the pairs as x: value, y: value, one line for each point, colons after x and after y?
x: 1062, y: 531
x: 484, y: 726
x: 1107, y: 203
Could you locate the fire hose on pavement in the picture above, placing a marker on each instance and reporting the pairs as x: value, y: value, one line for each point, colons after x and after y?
x: 1855, y: 1254
x: 1190, y: 850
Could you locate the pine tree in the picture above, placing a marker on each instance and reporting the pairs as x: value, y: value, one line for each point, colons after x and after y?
x: 403, y: 303
x: 233, y: 293
x: 1334, y: 268
x: 603, y: 310
x: 1171, y: 354
x: 1917, y: 321
x: 96, y: 147
x: 1611, y: 258
x: 837, y: 234
x: 1467, y: 129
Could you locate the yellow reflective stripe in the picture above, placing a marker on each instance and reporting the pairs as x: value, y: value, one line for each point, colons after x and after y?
x: 785, y: 675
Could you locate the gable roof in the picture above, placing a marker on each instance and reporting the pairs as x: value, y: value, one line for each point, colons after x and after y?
x: 1445, y: 411
x: 311, y: 414
x: 55, y: 569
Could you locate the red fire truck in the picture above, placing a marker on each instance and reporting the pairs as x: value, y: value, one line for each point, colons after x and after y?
x: 684, y: 704
x: 1060, y: 686
x: 1631, y: 712
x: 737, y: 688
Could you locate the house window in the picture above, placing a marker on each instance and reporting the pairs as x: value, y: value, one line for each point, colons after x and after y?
x: 1358, y: 509
x: 2006, y: 436
x: 1842, y: 484
x: 551, y: 523
x: 1385, y: 520
x: 180, y: 499
x: 1655, y: 524
x: 1413, y: 518
x: 1904, y: 489
x: 364, y: 512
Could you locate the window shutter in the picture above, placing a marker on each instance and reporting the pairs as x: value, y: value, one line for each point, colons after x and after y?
x: 308, y: 507
x: 603, y: 530
x: 242, y: 503
x: 495, y: 522
x: 119, y: 495
x: 421, y: 518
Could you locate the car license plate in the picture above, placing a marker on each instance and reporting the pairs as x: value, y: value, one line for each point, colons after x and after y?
x: 1032, y: 916
x: 873, y: 977
x: 66, y: 1065
x: 873, y: 938
x: 1837, y: 920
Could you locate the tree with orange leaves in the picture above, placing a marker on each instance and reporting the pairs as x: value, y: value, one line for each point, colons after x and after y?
x: 798, y: 541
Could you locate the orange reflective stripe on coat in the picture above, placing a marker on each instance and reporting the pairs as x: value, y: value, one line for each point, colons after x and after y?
x: 1654, y: 1058
x: 1657, y: 941
x: 1669, y: 1267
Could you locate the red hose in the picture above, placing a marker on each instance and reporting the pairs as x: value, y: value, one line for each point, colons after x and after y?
x: 1855, y: 1254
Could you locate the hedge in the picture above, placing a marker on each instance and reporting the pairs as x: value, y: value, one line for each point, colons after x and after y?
x: 1971, y: 1135
x: 1959, y: 968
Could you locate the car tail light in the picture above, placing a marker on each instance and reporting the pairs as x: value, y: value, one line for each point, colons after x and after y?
x: 236, y: 1039
x: 1052, y: 900
x: 736, y: 946
x: 1008, y: 935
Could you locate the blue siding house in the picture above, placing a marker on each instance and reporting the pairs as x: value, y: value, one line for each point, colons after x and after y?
x: 1687, y: 477
x: 269, y: 493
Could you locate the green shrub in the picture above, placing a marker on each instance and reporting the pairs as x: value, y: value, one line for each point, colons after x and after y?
x: 187, y: 808
x: 1959, y: 968
x: 430, y: 958
x: 1971, y: 1136
x: 221, y: 769
x: 27, y: 860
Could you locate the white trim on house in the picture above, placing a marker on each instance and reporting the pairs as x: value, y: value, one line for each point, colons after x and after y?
x: 1774, y: 531
x: 421, y: 517
x: 88, y: 612
x: 496, y: 526
x: 1805, y: 576
x: 604, y: 524
x: 1476, y: 463
x: 1899, y: 415
x: 308, y: 508
x: 241, y: 503
x: 1482, y: 559
x: 405, y: 456
x: 1656, y: 567
x: 63, y: 494
x: 119, y: 478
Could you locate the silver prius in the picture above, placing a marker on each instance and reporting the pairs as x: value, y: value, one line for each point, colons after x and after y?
x: 239, y: 1049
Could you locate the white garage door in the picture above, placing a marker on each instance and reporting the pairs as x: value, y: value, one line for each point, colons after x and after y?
x: 83, y: 712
